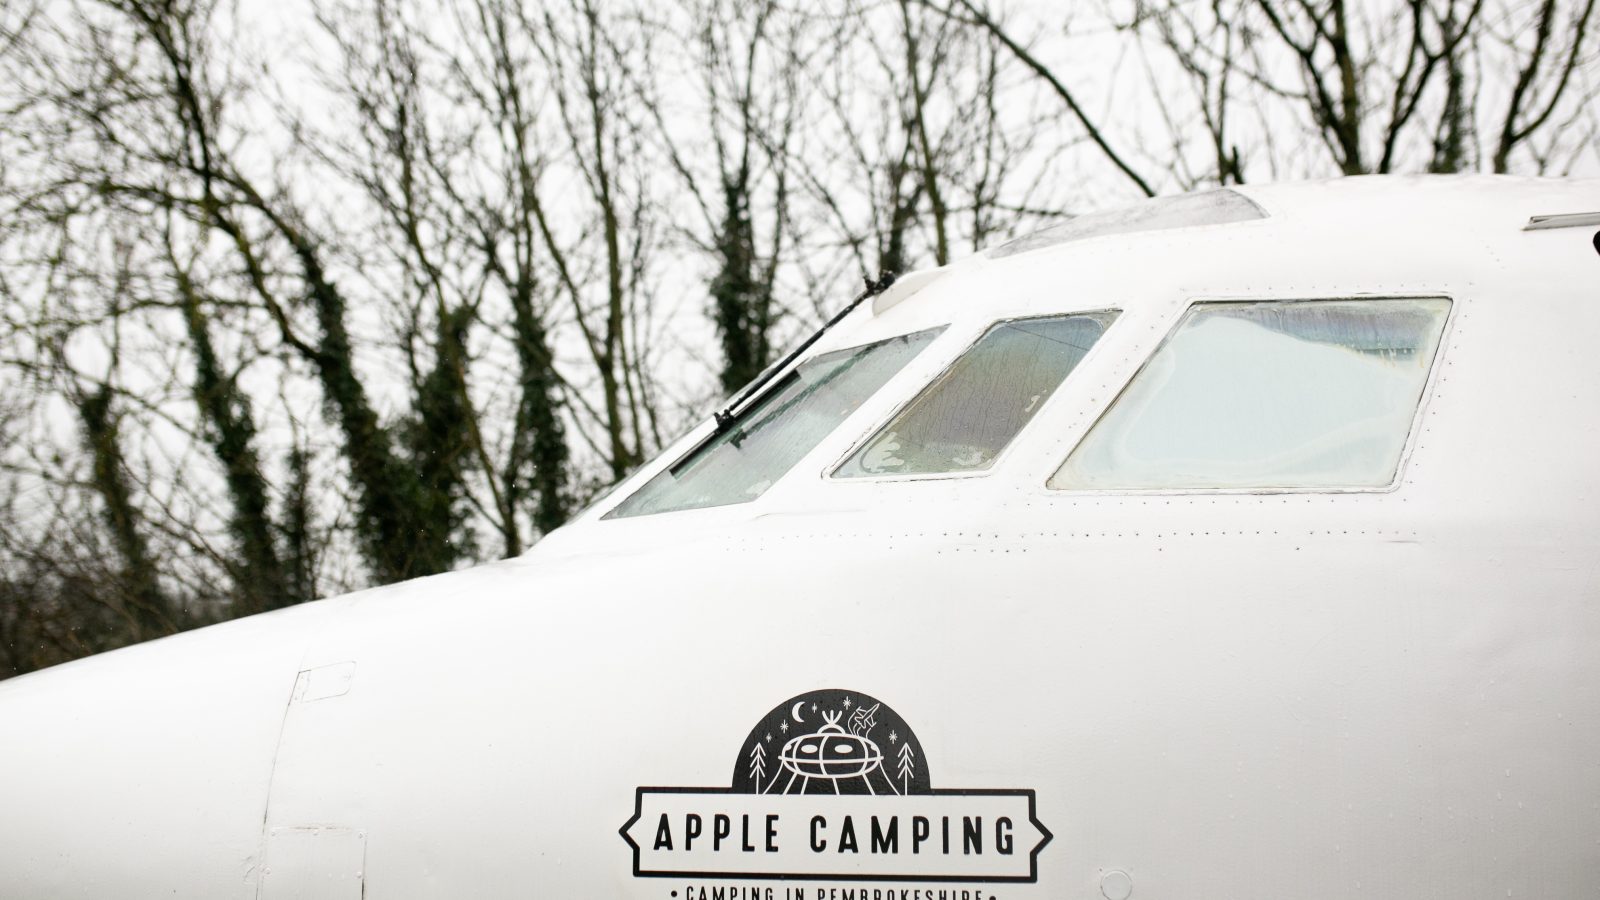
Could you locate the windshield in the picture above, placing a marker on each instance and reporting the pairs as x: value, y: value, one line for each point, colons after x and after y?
x: 739, y: 464
x: 962, y: 421
x: 1287, y: 395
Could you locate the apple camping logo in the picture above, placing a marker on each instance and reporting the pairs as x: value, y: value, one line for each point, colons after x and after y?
x: 833, y: 785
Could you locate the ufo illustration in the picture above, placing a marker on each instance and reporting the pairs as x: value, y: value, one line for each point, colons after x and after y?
x: 831, y: 753
x: 831, y: 741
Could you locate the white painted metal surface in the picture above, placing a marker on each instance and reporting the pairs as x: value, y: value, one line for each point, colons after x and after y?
x: 1187, y: 694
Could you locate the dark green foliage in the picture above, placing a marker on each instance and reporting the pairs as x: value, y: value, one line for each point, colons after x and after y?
x: 140, y: 597
x: 538, y: 458
x: 50, y: 616
x: 260, y: 582
x: 741, y: 301
x: 300, y: 550
x: 397, y: 536
x: 438, y: 439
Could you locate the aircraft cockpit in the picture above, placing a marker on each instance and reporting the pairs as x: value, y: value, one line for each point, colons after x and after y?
x: 1238, y: 544
x: 1127, y: 353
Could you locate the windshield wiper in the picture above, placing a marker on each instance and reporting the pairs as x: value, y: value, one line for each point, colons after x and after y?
x: 756, y: 390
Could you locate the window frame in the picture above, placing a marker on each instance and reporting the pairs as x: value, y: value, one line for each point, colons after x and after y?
x: 1413, y: 433
x: 673, y: 452
x: 705, y: 433
x: 829, y: 471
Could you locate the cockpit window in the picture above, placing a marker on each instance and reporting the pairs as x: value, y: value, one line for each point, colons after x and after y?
x: 962, y: 421
x: 1218, y: 207
x: 739, y: 465
x: 1306, y: 394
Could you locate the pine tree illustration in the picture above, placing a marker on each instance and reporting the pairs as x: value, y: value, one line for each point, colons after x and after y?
x: 758, y: 765
x: 908, y: 765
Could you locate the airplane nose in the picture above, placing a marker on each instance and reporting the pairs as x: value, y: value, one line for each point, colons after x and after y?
x: 145, y: 771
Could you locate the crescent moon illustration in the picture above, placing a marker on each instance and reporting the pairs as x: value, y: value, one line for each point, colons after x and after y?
x: 794, y: 712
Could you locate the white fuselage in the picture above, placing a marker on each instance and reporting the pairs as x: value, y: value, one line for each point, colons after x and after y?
x: 1208, y: 693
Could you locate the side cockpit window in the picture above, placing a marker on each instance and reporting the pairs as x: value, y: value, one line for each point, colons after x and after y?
x: 1281, y: 395
x: 962, y: 421
x: 807, y: 404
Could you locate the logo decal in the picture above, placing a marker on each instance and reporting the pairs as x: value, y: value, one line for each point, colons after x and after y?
x: 834, y: 785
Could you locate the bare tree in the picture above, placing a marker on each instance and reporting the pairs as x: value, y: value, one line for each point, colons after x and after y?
x: 272, y: 328
x: 1546, y: 66
x: 507, y: 218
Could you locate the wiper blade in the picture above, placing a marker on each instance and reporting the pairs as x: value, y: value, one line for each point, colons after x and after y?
x: 756, y: 390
